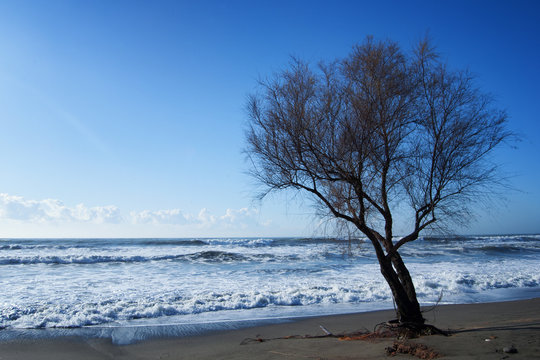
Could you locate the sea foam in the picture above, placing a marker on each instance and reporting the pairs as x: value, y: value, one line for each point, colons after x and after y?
x: 76, y: 283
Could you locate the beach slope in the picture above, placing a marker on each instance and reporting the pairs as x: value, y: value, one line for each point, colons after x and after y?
x: 480, y: 331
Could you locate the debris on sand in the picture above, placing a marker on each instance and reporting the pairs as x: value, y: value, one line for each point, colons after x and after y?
x: 421, y: 351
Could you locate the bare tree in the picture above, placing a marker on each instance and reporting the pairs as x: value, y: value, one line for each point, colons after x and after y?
x: 379, y: 129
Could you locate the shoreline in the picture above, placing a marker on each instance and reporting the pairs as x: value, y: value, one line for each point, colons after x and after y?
x: 142, y: 330
x: 503, y: 324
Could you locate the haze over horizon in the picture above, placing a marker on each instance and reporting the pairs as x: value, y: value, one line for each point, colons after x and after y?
x: 126, y: 118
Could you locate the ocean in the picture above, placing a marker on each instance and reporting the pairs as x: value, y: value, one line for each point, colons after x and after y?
x: 131, y: 289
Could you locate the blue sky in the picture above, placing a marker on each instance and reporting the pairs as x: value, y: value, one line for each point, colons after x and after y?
x: 126, y: 118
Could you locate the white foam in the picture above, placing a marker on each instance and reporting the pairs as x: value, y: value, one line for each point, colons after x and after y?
x: 58, y: 285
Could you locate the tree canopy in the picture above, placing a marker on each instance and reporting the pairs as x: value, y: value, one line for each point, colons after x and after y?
x: 377, y: 130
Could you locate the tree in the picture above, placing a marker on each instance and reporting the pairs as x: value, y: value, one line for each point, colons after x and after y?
x: 378, y: 130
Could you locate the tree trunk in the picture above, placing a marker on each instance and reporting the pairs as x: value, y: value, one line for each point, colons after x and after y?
x: 405, y: 278
x: 400, y: 282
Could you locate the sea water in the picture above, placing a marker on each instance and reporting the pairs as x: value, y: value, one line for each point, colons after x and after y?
x: 108, y: 286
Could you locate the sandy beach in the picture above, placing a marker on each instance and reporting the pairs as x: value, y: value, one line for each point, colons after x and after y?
x: 479, y: 331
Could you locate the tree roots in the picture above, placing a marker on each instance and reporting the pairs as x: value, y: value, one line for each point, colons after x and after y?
x: 409, y: 330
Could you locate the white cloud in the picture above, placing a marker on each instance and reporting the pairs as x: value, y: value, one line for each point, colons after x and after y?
x: 242, y: 217
x: 41, y: 213
x: 205, y: 217
x: 97, y: 214
x: 51, y: 210
x: 170, y: 216
x: 232, y: 215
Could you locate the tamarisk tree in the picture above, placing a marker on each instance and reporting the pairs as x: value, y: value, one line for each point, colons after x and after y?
x: 379, y: 130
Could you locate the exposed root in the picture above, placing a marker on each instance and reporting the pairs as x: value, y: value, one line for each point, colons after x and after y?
x: 260, y: 340
x: 368, y: 336
x: 421, y: 351
x: 365, y: 337
x: 390, y: 329
x: 410, y: 330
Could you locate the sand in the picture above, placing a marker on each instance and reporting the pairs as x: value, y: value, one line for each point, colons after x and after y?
x: 480, y: 331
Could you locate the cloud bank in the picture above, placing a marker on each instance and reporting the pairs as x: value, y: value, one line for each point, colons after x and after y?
x: 53, y: 211
x: 243, y: 218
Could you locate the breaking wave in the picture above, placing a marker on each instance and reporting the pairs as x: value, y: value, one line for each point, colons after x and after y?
x: 203, y: 256
x: 83, y: 282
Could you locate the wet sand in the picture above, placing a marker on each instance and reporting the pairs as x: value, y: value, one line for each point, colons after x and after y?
x: 480, y: 331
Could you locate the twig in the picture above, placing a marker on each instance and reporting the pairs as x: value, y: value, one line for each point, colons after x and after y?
x: 325, y: 330
x: 436, y: 303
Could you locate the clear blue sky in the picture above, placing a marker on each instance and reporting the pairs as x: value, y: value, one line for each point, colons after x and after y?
x: 126, y: 118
